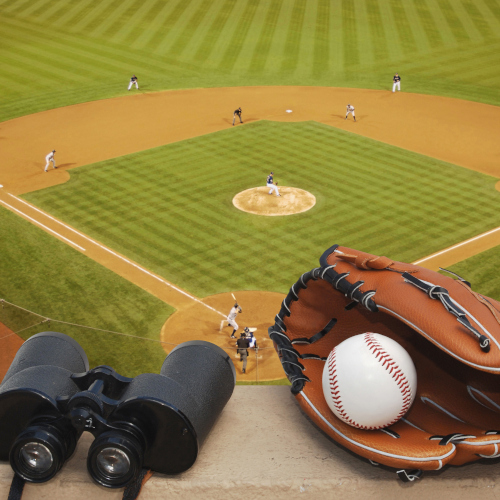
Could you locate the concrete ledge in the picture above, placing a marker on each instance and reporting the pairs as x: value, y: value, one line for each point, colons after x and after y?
x: 264, y: 447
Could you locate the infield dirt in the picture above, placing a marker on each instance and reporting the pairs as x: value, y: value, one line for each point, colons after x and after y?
x: 460, y: 132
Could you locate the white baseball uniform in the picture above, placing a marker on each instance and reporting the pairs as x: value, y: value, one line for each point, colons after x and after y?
x: 396, y: 83
x: 50, y: 158
x: 133, y: 81
x: 270, y: 184
x: 350, y: 110
x: 231, y: 317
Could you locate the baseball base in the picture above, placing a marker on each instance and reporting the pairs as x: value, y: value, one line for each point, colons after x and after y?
x: 369, y: 381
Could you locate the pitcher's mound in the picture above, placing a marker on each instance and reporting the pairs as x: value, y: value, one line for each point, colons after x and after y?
x: 258, y: 201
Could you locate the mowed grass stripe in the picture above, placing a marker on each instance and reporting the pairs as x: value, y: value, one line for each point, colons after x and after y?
x: 191, y: 27
x: 294, y: 35
x: 377, y: 31
x: 211, y: 37
x: 321, y: 54
x: 124, y: 13
x: 51, y: 10
x: 10, y: 5
x: 63, y: 69
x: 479, y: 20
x: 238, y: 40
x: 155, y: 19
x: 140, y: 17
x: 68, y: 13
x: 164, y: 47
x: 263, y: 46
x: 494, y: 7
x: 111, y: 57
x: 190, y: 210
x: 350, y: 36
x: 404, y: 27
x: 30, y: 8
x: 454, y: 22
x: 162, y: 35
x: 429, y: 24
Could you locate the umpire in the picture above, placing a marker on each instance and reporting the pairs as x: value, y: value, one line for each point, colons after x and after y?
x: 237, y: 113
x: 242, y: 349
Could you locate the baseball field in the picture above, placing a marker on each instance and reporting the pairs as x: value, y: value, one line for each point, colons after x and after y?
x: 135, y: 242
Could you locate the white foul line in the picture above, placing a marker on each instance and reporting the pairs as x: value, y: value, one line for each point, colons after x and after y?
x: 137, y: 266
x: 42, y: 225
x: 457, y: 245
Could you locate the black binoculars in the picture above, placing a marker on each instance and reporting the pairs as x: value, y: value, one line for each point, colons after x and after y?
x: 49, y: 397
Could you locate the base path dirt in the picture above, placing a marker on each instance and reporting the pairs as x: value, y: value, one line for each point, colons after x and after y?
x: 461, y: 132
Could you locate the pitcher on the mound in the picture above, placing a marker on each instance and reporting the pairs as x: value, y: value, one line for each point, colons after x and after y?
x: 271, y: 185
x: 231, y: 318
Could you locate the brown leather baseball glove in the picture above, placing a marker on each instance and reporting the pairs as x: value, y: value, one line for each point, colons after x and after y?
x: 451, y: 332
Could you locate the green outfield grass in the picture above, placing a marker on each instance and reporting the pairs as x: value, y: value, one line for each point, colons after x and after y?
x: 170, y: 208
x: 44, y: 275
x: 56, y: 53
x: 481, y: 271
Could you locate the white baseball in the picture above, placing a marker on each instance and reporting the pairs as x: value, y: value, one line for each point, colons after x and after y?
x: 369, y: 381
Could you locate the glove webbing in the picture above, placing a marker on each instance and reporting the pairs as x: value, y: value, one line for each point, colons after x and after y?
x: 289, y: 357
x: 438, y: 292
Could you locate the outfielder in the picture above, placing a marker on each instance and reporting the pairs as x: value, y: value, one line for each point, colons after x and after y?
x: 133, y: 81
x: 396, y: 83
x: 237, y: 113
x: 350, y: 109
x: 271, y: 185
x: 50, y: 158
x: 231, y: 318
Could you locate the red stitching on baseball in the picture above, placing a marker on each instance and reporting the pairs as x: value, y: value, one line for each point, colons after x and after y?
x: 388, y: 363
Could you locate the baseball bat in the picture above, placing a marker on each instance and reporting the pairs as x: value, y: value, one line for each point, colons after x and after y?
x: 234, y: 297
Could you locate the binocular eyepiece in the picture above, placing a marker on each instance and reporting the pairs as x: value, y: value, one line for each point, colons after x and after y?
x: 49, y: 397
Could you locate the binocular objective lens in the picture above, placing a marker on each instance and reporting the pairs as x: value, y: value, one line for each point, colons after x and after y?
x: 113, y: 462
x: 36, y: 457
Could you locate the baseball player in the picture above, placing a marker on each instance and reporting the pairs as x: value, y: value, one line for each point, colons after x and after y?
x: 252, y: 341
x: 231, y: 318
x: 350, y: 109
x: 133, y: 81
x: 50, y: 158
x: 396, y: 83
x: 271, y: 185
x: 237, y: 113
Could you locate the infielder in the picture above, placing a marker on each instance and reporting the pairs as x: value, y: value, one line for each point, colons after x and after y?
x: 271, y: 185
x: 396, y: 83
x: 237, y: 113
x: 133, y: 81
x: 231, y: 318
x: 350, y: 109
x: 50, y: 158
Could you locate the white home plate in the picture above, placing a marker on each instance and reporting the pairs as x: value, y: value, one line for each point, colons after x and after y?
x: 288, y: 110
x: 1, y: 186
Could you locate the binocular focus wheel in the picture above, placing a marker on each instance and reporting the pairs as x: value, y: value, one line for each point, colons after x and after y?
x: 114, y: 459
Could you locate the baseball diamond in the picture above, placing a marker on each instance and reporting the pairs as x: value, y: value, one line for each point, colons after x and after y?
x: 135, y: 198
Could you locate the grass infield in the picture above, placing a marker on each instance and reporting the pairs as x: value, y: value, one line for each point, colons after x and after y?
x: 170, y: 208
